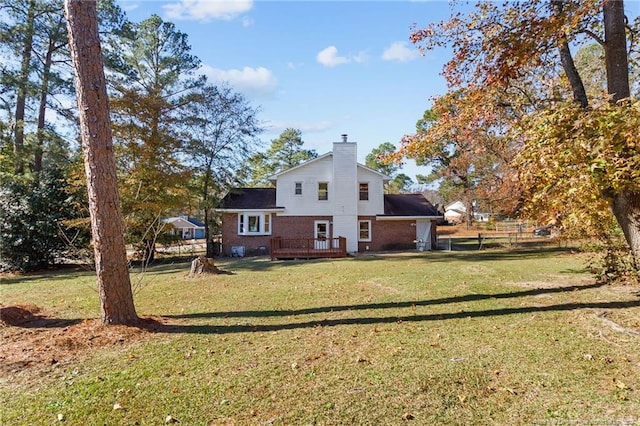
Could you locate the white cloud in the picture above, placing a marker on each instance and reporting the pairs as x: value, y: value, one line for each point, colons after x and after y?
x: 399, y: 51
x: 259, y: 82
x: 205, y: 10
x: 329, y: 57
x: 129, y: 6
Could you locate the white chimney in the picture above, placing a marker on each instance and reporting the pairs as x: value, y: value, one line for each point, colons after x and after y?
x: 345, y: 189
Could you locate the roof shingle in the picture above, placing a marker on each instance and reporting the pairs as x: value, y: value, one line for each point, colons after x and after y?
x: 408, y: 205
x: 250, y: 199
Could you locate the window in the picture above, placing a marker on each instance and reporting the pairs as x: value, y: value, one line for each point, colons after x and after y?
x: 364, y: 191
x: 298, y: 190
x: 323, y: 191
x: 254, y: 224
x: 364, y: 230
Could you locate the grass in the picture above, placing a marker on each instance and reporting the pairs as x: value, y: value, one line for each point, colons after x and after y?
x: 491, y: 337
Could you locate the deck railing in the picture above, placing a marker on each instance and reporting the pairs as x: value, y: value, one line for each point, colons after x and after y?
x: 307, y: 248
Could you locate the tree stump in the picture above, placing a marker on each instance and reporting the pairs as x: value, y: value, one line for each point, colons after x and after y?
x: 203, y: 265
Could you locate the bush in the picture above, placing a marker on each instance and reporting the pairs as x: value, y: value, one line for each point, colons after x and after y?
x: 33, y: 212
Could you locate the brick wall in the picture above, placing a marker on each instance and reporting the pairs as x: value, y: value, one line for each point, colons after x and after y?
x: 392, y: 235
x: 284, y: 226
x: 386, y: 235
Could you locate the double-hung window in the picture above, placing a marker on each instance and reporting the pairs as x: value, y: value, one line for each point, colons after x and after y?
x: 323, y: 191
x: 298, y: 188
x: 364, y: 191
x: 364, y: 230
x: 254, y: 224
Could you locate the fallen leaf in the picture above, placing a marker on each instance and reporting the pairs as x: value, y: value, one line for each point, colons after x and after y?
x: 170, y: 419
x: 620, y: 384
x: 61, y: 417
x: 511, y: 391
x: 407, y: 416
x: 117, y: 406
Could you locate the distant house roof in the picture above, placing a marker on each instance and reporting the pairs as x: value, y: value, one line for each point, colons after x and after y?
x: 250, y: 199
x: 184, y: 222
x: 456, y: 206
x: 408, y: 205
x: 195, y: 221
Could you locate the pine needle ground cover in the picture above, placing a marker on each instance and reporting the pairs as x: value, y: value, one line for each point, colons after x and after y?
x: 483, y: 337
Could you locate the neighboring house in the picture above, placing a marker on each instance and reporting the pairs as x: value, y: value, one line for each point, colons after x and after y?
x: 327, y: 197
x: 455, y: 212
x: 187, y: 228
x: 481, y: 217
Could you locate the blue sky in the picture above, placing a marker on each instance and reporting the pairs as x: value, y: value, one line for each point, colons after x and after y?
x: 323, y: 67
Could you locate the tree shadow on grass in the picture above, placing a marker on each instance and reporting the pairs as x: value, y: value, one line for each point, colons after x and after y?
x: 23, y: 317
x: 371, y: 320
x: 474, y: 297
x: 253, y: 328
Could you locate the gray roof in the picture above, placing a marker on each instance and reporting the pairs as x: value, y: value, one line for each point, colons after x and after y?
x: 250, y: 199
x: 408, y: 205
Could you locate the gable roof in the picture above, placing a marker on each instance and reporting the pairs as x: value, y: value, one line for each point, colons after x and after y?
x: 250, y: 199
x: 457, y: 206
x: 275, y: 176
x: 184, y: 222
x: 196, y: 222
x: 408, y: 205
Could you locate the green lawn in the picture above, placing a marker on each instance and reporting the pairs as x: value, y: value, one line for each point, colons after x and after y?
x: 482, y: 337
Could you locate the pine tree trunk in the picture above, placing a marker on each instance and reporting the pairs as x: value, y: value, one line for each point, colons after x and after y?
x: 114, y: 285
x: 42, y: 110
x: 21, y: 99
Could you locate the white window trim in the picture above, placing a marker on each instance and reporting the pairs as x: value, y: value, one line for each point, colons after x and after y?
x: 368, y: 191
x: 326, y: 183
x: 368, y: 222
x: 243, y: 219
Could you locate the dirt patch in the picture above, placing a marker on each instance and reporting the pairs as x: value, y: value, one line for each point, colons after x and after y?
x: 33, y: 341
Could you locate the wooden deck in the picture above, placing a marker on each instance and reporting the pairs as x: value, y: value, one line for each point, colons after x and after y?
x: 307, y: 248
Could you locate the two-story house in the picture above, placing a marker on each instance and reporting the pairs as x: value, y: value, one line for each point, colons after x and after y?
x: 329, y: 196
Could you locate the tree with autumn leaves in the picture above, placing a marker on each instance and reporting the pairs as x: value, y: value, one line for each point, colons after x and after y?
x: 461, y: 137
x: 572, y: 153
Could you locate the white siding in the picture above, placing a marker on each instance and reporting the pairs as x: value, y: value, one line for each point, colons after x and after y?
x: 341, y: 171
x: 375, y: 204
x: 345, y: 201
x: 306, y: 204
